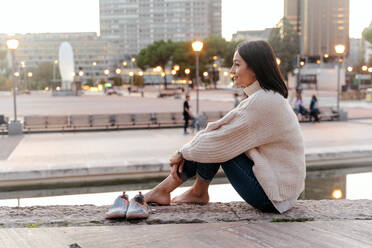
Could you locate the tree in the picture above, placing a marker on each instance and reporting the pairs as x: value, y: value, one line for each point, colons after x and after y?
x: 3, y: 60
x: 42, y: 75
x: 158, y: 53
x: 285, y: 42
x: 5, y: 83
x: 367, y: 33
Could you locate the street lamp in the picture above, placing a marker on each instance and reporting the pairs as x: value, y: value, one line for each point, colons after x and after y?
x: 131, y: 74
x: 197, y: 46
x: 364, y: 68
x: 278, y: 61
x: 29, y: 75
x: 15, y: 126
x: 340, y: 49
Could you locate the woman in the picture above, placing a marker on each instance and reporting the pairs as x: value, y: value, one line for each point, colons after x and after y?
x: 258, y: 144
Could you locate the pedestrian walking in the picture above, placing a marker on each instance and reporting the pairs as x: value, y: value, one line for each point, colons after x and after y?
x: 186, y: 114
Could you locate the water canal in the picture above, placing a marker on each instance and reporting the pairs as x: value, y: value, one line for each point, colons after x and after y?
x: 319, y: 185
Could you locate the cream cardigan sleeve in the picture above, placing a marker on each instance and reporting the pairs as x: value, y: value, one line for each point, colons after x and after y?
x: 255, y: 122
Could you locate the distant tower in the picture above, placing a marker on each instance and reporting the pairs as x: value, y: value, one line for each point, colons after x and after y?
x: 134, y: 24
x: 321, y: 25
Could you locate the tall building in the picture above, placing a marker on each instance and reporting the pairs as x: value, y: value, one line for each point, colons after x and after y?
x: 321, y: 24
x: 252, y: 35
x: 134, y: 24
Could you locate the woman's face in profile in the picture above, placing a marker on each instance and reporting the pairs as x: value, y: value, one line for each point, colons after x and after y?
x: 243, y: 76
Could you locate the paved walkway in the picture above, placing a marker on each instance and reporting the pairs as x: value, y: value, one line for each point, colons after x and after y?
x: 324, y: 223
x: 210, y: 100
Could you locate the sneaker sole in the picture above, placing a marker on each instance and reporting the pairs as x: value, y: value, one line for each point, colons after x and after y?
x: 137, y: 216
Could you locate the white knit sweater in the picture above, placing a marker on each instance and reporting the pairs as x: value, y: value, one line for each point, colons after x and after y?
x: 265, y: 128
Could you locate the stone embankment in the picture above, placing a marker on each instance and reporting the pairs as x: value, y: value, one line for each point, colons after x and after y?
x: 90, y: 215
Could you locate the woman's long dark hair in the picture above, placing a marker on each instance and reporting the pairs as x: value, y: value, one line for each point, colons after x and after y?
x: 261, y: 59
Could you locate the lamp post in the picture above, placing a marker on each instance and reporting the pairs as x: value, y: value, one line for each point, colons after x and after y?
x: 197, y: 46
x: 29, y: 76
x: 15, y: 126
x: 340, y: 49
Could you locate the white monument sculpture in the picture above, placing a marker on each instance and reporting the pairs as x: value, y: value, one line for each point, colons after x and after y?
x: 66, y: 65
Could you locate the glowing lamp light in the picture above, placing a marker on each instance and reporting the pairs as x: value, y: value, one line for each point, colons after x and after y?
x: 205, y: 74
x: 370, y: 69
x: 23, y: 64
x: 197, y: 46
x: 340, y: 49
x: 29, y: 74
x: 140, y: 73
x: 158, y: 68
x: 118, y: 71
x: 94, y: 63
x: 364, y: 68
x: 55, y: 62
x: 131, y: 74
x: 219, y: 69
x: 163, y: 74
x: 187, y: 71
x: 176, y: 67
x: 318, y: 61
x: 106, y: 72
x: 214, y: 57
x: 16, y: 74
x: 174, y: 72
x: 349, y: 68
x: 337, y: 194
x: 125, y: 63
x: 12, y: 44
x: 278, y: 61
x: 302, y: 63
x: 58, y: 88
x: 133, y: 59
x: 81, y: 73
x: 215, y: 65
x: 326, y: 55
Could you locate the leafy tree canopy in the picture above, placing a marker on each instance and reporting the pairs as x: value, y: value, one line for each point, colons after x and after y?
x: 367, y: 33
x: 285, y: 42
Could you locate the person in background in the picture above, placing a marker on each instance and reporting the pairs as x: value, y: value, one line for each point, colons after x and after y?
x: 186, y: 114
x: 314, y: 109
x: 298, y: 105
x: 236, y: 99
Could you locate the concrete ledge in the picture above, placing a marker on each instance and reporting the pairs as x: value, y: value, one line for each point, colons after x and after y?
x: 86, y: 174
x: 90, y: 215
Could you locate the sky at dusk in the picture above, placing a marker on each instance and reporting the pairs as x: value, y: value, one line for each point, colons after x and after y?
x: 39, y: 16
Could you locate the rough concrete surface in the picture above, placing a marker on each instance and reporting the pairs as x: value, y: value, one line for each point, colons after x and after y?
x: 90, y: 215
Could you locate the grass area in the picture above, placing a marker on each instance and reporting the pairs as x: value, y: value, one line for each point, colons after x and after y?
x: 293, y: 220
x: 34, y: 225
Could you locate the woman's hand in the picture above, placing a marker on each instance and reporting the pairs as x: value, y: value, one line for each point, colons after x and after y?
x: 175, y: 159
x: 176, y: 163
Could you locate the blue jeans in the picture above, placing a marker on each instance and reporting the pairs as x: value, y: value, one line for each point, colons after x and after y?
x: 239, y: 172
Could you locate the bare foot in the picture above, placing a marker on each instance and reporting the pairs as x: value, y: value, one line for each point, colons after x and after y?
x: 158, y: 197
x: 191, y: 196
